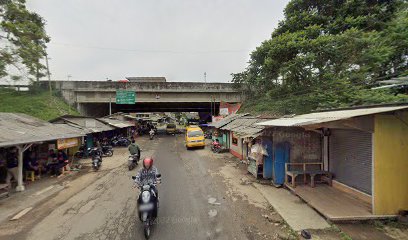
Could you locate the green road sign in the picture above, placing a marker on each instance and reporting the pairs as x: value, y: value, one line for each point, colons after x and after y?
x: 125, y: 97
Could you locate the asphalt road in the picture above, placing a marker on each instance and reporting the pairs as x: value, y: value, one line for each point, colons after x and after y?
x: 193, y: 203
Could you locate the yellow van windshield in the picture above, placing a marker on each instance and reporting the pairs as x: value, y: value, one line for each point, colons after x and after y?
x: 196, y: 133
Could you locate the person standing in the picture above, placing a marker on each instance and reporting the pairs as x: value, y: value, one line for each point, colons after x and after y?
x: 12, y: 166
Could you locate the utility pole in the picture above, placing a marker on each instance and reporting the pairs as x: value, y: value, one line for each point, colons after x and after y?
x: 211, y: 106
x: 68, y: 77
x: 48, y: 74
x: 214, y: 104
x: 110, y: 104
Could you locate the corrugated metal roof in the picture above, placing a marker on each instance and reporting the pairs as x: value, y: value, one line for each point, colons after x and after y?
x: 241, y: 123
x: 329, y: 116
x: 91, y: 125
x: 19, y: 128
x: 76, y: 127
x: 116, y: 123
x: 245, y: 126
x: 227, y: 120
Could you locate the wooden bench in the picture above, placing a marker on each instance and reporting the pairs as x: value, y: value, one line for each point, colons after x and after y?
x: 325, y: 176
x: 302, y: 169
x: 289, y: 172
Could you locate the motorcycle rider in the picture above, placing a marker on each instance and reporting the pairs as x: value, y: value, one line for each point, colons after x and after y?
x: 148, y: 176
x: 151, y: 132
x: 98, y: 145
x: 134, y: 149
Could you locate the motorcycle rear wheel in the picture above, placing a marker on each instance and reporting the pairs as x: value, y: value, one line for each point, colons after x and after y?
x: 109, y: 153
x: 147, y: 231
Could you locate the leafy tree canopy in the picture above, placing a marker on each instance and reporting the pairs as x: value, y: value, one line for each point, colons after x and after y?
x: 326, y: 53
x: 22, y: 41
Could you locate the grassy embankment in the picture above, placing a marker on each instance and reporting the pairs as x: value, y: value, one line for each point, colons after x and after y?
x: 34, y: 103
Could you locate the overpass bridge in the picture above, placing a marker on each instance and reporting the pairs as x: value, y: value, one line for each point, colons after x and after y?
x: 93, y: 98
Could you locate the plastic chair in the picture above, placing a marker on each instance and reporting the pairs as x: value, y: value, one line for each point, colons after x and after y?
x: 30, y: 175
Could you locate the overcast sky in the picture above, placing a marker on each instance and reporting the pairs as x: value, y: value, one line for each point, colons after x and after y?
x: 177, y: 39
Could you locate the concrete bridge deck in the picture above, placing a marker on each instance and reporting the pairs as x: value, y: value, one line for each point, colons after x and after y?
x: 93, y: 97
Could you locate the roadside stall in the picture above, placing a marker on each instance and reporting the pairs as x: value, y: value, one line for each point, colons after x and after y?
x: 247, y: 145
x: 94, y: 129
x: 256, y: 158
x: 20, y: 133
x: 223, y: 136
x: 357, y: 153
x: 121, y: 127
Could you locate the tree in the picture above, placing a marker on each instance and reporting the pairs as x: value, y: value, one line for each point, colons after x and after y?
x: 23, y: 41
x: 327, y: 53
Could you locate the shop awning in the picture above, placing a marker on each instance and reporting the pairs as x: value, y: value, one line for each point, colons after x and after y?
x: 329, y: 116
x: 19, y: 128
x: 227, y: 120
x: 116, y: 123
x: 88, y: 124
x: 245, y: 127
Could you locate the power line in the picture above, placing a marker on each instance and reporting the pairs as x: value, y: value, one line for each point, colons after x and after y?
x: 150, y: 50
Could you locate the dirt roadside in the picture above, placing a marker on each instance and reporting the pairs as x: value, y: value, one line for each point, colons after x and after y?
x: 71, y: 186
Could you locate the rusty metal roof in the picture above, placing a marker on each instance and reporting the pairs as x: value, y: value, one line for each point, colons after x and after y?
x: 329, y: 116
x: 19, y: 128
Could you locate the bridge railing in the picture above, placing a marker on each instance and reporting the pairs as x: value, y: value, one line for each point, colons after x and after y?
x: 159, y: 86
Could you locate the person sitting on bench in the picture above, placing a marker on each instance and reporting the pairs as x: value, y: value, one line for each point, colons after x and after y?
x: 52, y: 164
x: 31, y: 163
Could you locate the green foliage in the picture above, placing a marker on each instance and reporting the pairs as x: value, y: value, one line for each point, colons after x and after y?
x: 23, y: 39
x: 328, y: 54
x: 35, y: 103
x: 317, y: 100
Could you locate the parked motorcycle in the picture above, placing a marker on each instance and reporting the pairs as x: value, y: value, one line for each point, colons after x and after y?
x: 96, y: 158
x: 107, y: 151
x: 81, y: 153
x: 148, y: 205
x: 133, y: 161
x: 120, y: 142
x: 216, y: 147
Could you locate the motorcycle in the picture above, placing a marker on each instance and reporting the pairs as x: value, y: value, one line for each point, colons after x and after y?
x: 81, y: 153
x: 207, y: 135
x: 216, y: 147
x: 148, y: 205
x: 107, y: 151
x: 151, y: 135
x: 133, y: 161
x: 120, y: 141
x: 96, y: 158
